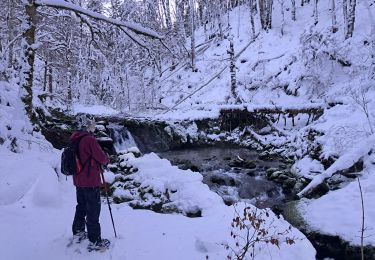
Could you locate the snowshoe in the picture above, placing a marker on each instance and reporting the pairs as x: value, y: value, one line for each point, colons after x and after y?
x: 77, y: 238
x: 99, y: 246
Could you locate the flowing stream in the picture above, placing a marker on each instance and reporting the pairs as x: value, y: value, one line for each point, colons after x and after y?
x: 239, y: 174
x: 234, y: 173
x: 122, y: 138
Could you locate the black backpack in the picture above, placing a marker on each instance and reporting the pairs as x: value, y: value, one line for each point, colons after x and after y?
x: 70, y: 160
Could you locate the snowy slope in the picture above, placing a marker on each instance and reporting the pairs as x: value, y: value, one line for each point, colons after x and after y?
x: 275, y: 67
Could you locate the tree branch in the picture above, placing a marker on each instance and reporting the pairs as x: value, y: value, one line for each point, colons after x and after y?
x: 136, y: 28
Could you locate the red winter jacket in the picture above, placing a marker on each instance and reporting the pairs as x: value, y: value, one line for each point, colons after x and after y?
x: 89, y: 146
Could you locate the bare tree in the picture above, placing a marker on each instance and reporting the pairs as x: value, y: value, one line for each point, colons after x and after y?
x: 360, y: 98
x: 11, y: 24
x: 362, y: 221
x: 232, y: 69
x: 281, y: 2
x: 192, y: 36
x: 167, y: 13
x: 316, y: 16
x: 293, y: 10
x: 333, y: 15
x: 29, y: 39
x: 28, y: 57
x: 372, y: 21
x: 252, y: 7
x: 349, y: 7
x: 265, y: 14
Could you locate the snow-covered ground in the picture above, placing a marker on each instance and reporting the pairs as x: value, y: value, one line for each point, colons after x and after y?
x: 37, y: 206
x: 37, y: 223
x: 340, y: 212
x: 94, y: 110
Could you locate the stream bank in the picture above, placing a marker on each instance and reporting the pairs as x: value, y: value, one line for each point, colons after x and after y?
x: 231, y: 178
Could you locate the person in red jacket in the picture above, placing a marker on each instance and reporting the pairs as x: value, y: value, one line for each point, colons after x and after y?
x: 88, y: 182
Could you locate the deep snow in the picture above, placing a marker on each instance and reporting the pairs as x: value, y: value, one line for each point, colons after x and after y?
x: 35, y: 219
x: 37, y: 208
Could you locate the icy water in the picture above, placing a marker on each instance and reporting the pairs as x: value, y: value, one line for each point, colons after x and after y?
x: 232, y: 183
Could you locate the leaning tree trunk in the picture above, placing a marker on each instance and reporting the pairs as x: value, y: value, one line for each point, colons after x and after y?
x: 28, y: 57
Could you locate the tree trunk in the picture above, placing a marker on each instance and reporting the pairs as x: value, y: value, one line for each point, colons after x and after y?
x: 265, y: 14
x: 192, y: 36
x: 252, y: 18
x: 70, y: 96
x: 372, y: 22
x: 10, y: 24
x: 167, y: 13
x: 180, y: 28
x: 50, y: 80
x: 351, y: 18
x: 345, y: 15
x: 127, y: 87
x: 333, y: 13
x: 262, y: 13
x: 293, y: 10
x: 232, y: 68
x: 269, y: 14
x: 27, y: 69
x: 45, y: 76
x: 316, y: 17
x: 282, y: 16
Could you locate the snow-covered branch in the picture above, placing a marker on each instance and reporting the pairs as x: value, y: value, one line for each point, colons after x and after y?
x: 136, y: 28
x: 346, y: 161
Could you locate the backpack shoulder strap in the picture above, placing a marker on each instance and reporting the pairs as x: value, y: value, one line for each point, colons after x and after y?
x: 76, y: 145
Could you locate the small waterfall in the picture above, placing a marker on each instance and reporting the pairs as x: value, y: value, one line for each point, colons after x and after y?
x: 121, y: 137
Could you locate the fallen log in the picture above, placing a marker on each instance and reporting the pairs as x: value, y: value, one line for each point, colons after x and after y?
x: 348, y: 160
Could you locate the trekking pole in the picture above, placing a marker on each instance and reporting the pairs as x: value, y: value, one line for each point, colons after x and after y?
x: 109, y: 204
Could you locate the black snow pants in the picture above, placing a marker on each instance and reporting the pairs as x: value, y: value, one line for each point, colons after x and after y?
x: 87, y: 212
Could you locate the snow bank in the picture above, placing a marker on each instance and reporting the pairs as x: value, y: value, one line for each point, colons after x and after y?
x: 347, y: 160
x: 142, y: 234
x: 307, y: 167
x: 94, y: 110
x: 339, y: 212
x: 187, y: 191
